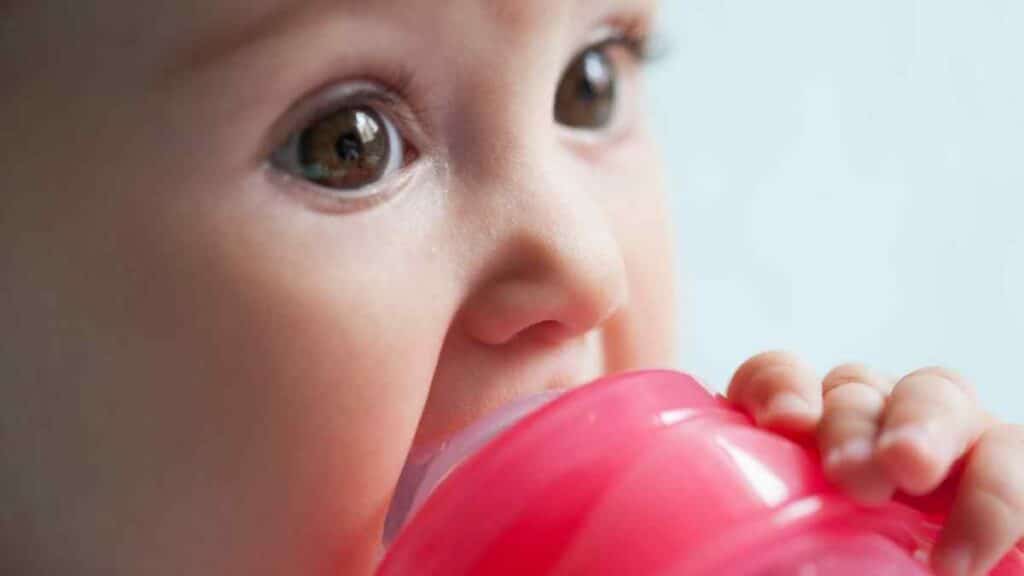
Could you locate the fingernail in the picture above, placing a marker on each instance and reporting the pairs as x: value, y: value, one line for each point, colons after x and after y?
x: 920, y: 436
x: 955, y: 561
x: 788, y: 404
x: 857, y: 451
x: 916, y: 456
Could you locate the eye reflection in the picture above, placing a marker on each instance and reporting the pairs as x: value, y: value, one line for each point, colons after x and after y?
x: 347, y: 150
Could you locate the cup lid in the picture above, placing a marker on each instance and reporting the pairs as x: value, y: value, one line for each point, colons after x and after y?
x: 646, y: 474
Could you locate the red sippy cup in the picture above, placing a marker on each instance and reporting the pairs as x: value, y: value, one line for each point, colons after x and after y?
x: 641, y: 474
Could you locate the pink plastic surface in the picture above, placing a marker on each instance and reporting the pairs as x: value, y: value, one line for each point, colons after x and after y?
x: 649, y: 474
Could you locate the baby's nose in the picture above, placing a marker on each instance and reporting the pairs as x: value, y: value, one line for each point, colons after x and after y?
x: 554, y: 269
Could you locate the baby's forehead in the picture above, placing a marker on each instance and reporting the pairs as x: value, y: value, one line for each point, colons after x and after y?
x: 509, y: 11
x: 187, y: 31
x: 227, y: 25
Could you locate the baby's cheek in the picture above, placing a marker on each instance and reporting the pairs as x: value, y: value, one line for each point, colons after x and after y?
x: 303, y: 366
x: 288, y: 431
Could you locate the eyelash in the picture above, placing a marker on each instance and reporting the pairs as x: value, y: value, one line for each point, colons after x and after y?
x: 388, y: 94
x: 633, y: 33
x: 391, y: 91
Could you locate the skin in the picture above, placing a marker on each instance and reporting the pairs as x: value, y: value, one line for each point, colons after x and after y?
x: 213, y: 368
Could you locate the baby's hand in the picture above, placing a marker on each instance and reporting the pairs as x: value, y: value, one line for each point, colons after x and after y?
x: 878, y: 435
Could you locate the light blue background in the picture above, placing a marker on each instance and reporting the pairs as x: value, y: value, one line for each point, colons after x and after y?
x: 848, y: 182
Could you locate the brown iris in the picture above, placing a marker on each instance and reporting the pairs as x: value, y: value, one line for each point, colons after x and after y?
x: 586, y: 92
x: 348, y: 149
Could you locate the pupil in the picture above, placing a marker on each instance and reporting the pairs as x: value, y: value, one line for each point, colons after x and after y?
x: 349, y: 147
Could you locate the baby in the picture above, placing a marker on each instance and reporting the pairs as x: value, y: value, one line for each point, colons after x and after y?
x: 255, y: 250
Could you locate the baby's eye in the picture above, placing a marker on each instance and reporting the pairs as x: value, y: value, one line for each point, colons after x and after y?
x: 596, y: 87
x: 587, y: 90
x: 349, y: 149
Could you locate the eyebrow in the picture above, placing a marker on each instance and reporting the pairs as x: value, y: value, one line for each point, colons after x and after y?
x: 277, y: 19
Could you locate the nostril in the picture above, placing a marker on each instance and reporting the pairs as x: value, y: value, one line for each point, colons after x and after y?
x: 556, y: 296
x: 548, y: 332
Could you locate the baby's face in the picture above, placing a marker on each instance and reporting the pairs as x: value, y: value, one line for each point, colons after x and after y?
x: 256, y: 250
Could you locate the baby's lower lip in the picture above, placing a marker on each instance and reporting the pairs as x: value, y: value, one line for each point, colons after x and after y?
x: 427, y: 466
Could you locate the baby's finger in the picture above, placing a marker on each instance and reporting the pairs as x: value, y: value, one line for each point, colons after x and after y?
x: 780, y: 391
x: 987, y: 518
x: 932, y: 418
x: 854, y: 402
